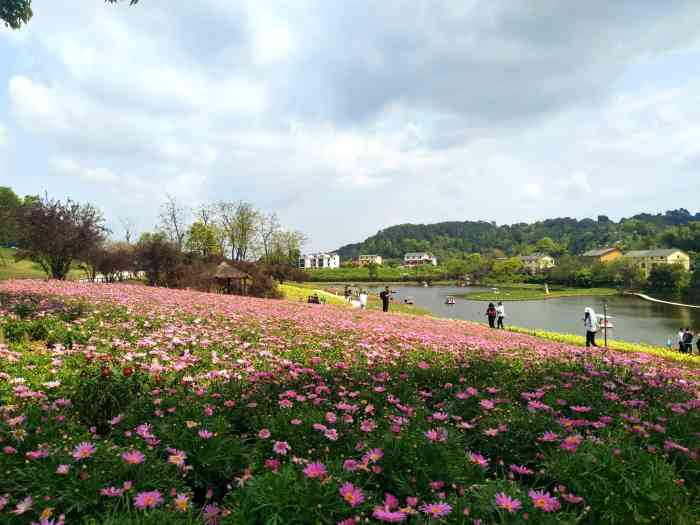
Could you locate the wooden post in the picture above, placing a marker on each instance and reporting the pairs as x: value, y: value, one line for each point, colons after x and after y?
x: 605, y: 321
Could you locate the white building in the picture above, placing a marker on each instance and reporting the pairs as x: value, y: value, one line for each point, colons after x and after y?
x: 364, y: 260
x: 319, y: 260
x: 419, y: 258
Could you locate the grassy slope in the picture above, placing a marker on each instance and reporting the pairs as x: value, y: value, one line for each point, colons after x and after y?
x: 533, y: 294
x: 384, y: 273
x: 9, y: 269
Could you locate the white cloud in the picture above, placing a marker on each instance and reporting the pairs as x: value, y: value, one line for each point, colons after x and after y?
x: 576, y: 186
x: 533, y: 190
x: 69, y: 168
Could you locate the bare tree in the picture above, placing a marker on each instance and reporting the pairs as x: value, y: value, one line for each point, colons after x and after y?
x: 268, y: 227
x: 128, y: 227
x: 173, y: 220
x: 206, y: 214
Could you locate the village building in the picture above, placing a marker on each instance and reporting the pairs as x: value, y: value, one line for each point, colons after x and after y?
x: 603, y: 255
x: 537, y: 262
x: 364, y: 260
x: 419, y: 259
x: 319, y: 260
x: 648, y: 259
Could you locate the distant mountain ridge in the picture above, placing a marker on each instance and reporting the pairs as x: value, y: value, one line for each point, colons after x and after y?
x: 678, y: 228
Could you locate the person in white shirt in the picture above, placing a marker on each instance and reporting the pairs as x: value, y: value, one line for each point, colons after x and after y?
x: 681, y: 344
x: 363, y: 300
x: 590, y: 321
x: 500, y: 314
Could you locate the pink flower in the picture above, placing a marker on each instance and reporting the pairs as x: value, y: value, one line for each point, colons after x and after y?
x: 315, y: 470
x: 281, y: 447
x: 177, y: 457
x: 478, y: 460
x: 523, y: 471
x: 544, y: 500
x: 62, y: 469
x: 211, y: 514
x: 373, y: 456
x: 351, y: 494
x: 133, y: 457
x: 571, y: 498
x: 112, y: 492
x: 4, y: 500
x: 571, y: 443
x: 389, y: 516
x: 436, y: 510
x: 181, y: 503
x: 436, y: 436
x: 272, y: 464
x: 264, y: 433
x: 368, y: 425
x: 331, y: 434
x: 549, y: 437
x: 23, y: 506
x: 350, y: 465
x: 504, y: 501
x: 148, y: 500
x: 83, y: 451
x: 205, y: 434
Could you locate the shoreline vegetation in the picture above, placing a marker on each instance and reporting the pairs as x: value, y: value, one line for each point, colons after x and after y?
x: 536, y: 293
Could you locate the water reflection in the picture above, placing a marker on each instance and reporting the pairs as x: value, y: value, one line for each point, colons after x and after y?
x: 634, y: 319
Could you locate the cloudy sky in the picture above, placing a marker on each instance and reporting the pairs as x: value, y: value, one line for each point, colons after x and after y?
x: 346, y: 117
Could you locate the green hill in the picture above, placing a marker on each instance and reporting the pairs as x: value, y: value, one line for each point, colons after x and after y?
x: 677, y: 228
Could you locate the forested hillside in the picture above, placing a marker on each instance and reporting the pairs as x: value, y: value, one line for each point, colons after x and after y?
x: 677, y: 228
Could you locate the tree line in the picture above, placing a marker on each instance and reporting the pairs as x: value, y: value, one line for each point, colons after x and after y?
x: 182, y: 251
x: 556, y: 237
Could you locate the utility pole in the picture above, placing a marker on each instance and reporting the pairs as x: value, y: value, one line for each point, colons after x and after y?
x: 605, y: 321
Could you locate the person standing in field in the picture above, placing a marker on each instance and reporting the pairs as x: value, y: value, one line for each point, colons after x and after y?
x: 681, y: 335
x: 385, y: 296
x: 688, y: 341
x: 500, y: 315
x: 491, y: 313
x: 363, y: 300
x: 590, y: 322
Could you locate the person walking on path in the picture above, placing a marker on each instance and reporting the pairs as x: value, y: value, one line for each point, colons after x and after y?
x: 491, y: 313
x: 385, y: 296
x: 590, y: 321
x: 681, y: 335
x: 363, y: 300
x: 500, y: 315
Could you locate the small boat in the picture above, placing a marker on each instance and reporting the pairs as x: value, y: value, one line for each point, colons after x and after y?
x: 449, y: 300
x: 408, y: 300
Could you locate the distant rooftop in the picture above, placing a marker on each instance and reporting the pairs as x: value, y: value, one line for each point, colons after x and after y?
x: 600, y: 251
x: 418, y: 254
x: 533, y: 257
x: 659, y: 252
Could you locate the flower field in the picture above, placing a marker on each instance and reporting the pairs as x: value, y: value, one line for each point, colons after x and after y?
x: 125, y: 404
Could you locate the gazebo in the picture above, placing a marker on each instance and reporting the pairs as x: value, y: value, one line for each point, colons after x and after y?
x: 231, y: 280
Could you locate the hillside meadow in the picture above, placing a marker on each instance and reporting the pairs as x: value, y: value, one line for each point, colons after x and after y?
x: 132, y: 405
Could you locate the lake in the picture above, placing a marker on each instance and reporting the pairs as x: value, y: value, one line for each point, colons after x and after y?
x: 634, y: 319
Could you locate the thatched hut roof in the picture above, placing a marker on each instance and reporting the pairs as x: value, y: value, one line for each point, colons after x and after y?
x: 226, y: 271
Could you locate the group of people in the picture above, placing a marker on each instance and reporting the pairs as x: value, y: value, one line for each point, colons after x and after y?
x: 358, y: 297
x: 496, y: 315
x: 685, y: 341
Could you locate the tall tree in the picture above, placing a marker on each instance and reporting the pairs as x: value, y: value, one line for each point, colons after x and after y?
x: 56, y: 234
x: 239, y: 221
x: 202, y: 239
x: 173, y: 220
x: 10, y: 205
x: 128, y: 227
x: 269, y: 226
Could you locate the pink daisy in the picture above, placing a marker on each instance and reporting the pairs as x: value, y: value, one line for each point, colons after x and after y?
x: 83, y: 451
x: 505, y: 502
x: 133, y: 457
x: 436, y: 510
x: 148, y: 500
x: 281, y: 447
x: 544, y: 500
x: 315, y: 470
x: 351, y: 494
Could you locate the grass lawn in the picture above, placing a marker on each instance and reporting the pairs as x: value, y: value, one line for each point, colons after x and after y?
x: 534, y: 293
x: 9, y: 269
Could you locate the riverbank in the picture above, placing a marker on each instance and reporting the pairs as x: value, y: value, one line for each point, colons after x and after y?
x: 622, y: 346
x: 534, y: 293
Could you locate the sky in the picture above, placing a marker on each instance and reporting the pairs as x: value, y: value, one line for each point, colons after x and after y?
x: 347, y: 117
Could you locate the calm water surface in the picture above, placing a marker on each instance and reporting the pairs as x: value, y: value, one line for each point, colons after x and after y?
x: 634, y: 319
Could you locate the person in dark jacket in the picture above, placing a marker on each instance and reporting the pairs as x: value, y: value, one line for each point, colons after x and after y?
x: 688, y: 341
x: 491, y: 313
x: 385, y: 296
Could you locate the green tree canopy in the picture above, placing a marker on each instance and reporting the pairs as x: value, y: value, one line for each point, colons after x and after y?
x: 15, y: 13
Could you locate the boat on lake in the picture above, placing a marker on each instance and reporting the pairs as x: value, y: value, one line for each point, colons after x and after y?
x: 408, y: 300
x: 449, y: 300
